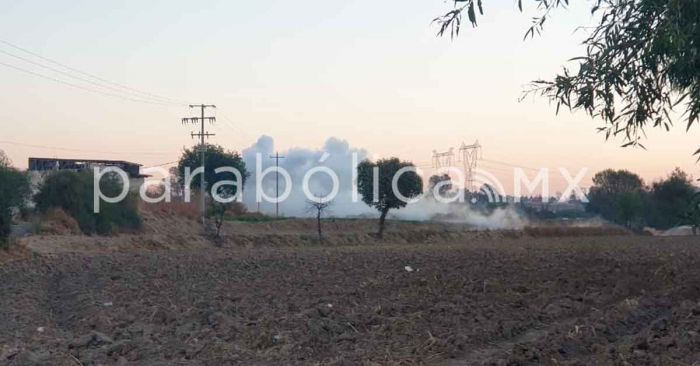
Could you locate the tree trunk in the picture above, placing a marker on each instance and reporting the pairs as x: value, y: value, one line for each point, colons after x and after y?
x: 318, y: 227
x: 382, y: 219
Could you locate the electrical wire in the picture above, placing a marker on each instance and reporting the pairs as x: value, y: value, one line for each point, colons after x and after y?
x: 100, y: 85
x: 125, y: 87
x: 509, y: 164
x: 163, y: 164
x: 81, y: 150
x: 78, y: 86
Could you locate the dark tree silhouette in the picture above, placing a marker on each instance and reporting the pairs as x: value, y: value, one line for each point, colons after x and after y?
x: 215, y: 157
x: 409, y: 185
x: 669, y: 200
x: 439, y: 185
x: 617, y: 195
x: 14, y: 190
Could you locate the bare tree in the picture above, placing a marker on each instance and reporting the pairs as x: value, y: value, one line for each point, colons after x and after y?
x: 218, y: 211
x: 320, y: 207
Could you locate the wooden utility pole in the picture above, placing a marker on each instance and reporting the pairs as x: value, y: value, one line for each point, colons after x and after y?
x: 202, y: 149
x: 277, y: 158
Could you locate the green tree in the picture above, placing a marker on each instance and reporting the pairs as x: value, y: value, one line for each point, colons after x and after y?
x: 641, y: 61
x: 73, y: 193
x: 618, y: 196
x: 669, y: 200
x: 409, y: 185
x: 629, y: 206
x: 5, y: 161
x: 14, y: 190
x: 215, y: 157
x: 439, y: 185
x: 692, y: 214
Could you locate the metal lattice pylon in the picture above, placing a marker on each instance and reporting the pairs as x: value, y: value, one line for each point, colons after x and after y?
x: 443, y: 159
x: 469, y: 156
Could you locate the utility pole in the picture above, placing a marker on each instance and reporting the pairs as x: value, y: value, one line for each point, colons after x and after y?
x: 202, y: 149
x: 277, y: 158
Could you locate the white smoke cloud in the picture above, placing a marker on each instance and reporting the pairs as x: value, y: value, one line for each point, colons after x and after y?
x: 337, y: 155
x: 430, y: 209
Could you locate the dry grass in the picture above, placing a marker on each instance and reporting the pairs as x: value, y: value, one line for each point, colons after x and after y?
x: 176, y: 207
x: 58, y: 222
x: 558, y: 231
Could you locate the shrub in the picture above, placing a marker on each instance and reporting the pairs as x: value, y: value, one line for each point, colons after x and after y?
x: 73, y: 193
x: 14, y: 190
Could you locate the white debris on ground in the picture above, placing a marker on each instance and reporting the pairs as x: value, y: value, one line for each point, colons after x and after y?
x: 685, y: 230
x: 408, y: 269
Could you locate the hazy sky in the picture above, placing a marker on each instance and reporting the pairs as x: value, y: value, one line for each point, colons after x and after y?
x: 371, y: 72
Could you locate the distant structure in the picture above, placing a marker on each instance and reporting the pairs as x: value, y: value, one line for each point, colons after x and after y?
x: 470, y: 155
x: 77, y: 165
x: 443, y: 159
x: 39, y: 167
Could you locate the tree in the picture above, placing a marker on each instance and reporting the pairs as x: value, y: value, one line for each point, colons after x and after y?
x: 176, y: 188
x: 629, y: 206
x: 319, y: 206
x: 440, y: 185
x: 218, y: 211
x: 5, y: 161
x: 617, y: 195
x: 669, y: 199
x: 641, y: 61
x: 14, y: 190
x: 692, y: 214
x: 384, y: 197
x: 73, y: 193
x: 215, y: 157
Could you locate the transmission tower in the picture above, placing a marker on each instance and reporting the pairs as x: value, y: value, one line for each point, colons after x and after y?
x: 443, y: 159
x: 202, y: 149
x: 470, y: 155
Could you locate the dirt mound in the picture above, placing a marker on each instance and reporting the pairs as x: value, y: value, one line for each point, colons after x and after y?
x: 14, y: 252
x: 58, y: 222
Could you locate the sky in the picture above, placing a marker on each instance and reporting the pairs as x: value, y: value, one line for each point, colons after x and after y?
x: 372, y: 73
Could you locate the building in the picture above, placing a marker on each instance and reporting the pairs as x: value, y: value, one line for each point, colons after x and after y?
x: 39, y: 167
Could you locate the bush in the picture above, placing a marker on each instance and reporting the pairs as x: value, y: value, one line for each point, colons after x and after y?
x: 14, y: 190
x: 73, y: 193
x: 669, y: 200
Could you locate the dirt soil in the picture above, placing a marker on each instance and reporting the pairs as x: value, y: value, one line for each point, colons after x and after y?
x: 461, y: 300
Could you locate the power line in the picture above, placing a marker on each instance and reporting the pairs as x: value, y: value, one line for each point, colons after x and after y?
x: 163, y: 164
x: 78, y: 86
x: 100, y: 85
x: 81, y: 150
x: 152, y: 95
x: 509, y: 164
